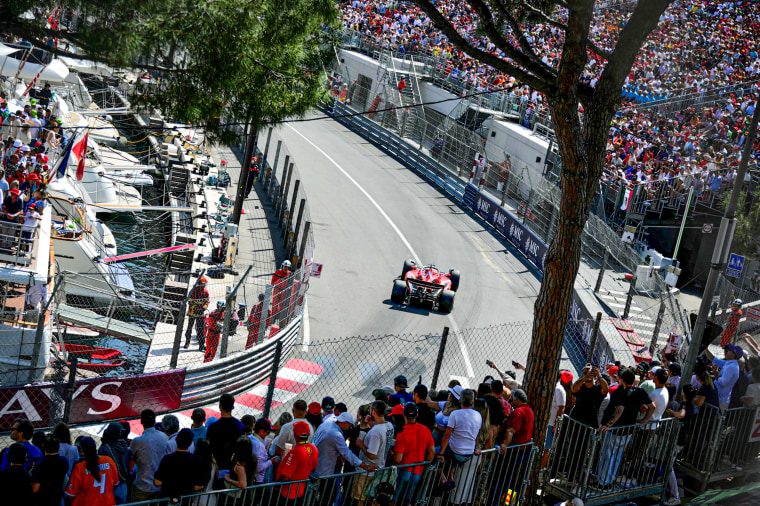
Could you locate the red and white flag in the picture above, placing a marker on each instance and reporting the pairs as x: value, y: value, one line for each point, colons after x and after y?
x: 80, y: 151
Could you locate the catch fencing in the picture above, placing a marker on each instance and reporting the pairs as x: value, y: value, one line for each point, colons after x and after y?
x: 617, y: 465
x: 490, y: 478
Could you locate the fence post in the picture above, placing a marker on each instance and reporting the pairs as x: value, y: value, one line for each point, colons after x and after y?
x: 40, y: 331
x: 629, y: 298
x: 272, y: 168
x: 594, y: 336
x: 69, y: 390
x: 289, y: 222
x: 657, y: 325
x: 266, y: 146
x: 181, y: 323
x: 275, y: 194
x: 602, y: 269
x: 291, y: 247
x: 306, y: 228
x: 229, y: 310
x: 272, y: 378
x: 282, y: 200
x: 439, y: 360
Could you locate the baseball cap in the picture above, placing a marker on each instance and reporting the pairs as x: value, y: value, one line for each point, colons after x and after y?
x: 25, y: 149
x: 456, y: 391
x: 263, y: 424
x: 345, y: 417
x: 566, y: 377
x: 738, y: 351
x: 315, y: 408
x: 381, y: 393
x: 14, y: 191
x: 32, y: 205
x: 398, y: 409
x: 328, y: 403
x: 648, y: 386
x: 17, y: 143
x: 642, y: 367
x: 400, y: 381
x: 410, y: 410
x: 674, y: 368
x: 301, y: 430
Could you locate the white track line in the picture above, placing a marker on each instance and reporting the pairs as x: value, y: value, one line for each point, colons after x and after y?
x: 454, y: 327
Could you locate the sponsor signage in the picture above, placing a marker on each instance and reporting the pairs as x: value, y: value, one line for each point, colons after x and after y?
x: 95, y: 400
x: 753, y: 314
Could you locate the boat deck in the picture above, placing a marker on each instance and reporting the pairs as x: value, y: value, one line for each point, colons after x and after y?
x: 103, y: 324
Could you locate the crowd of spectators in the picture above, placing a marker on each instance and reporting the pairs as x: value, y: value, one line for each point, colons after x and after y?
x: 385, y: 439
x: 701, y: 54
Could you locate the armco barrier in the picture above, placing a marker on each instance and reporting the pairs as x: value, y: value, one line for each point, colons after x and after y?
x: 579, y: 327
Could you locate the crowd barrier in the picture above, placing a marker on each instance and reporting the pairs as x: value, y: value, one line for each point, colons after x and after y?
x: 491, y: 478
x: 617, y: 465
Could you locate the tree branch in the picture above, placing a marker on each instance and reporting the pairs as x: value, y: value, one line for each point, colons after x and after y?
x: 443, y: 24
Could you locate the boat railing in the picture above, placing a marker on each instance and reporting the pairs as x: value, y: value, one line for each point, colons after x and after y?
x: 18, y: 243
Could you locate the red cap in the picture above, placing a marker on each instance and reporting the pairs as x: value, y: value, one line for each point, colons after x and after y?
x: 203, y: 279
x: 32, y: 205
x: 613, y: 370
x: 315, y: 408
x: 566, y: 377
x: 301, y: 430
x: 398, y: 409
x: 14, y: 191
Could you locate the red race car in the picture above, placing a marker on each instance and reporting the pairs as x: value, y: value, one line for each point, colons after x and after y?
x: 426, y: 286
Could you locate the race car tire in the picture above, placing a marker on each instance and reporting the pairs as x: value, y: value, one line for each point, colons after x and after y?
x: 398, y: 293
x: 446, y: 304
x: 454, y: 277
x: 408, y: 264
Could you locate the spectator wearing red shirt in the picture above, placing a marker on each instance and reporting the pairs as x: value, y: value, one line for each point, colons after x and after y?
x: 519, y: 426
x: 414, y: 444
x: 298, y: 463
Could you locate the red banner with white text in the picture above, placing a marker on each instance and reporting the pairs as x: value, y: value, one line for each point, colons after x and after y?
x: 93, y: 401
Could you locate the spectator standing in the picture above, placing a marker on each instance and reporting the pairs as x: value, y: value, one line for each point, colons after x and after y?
x: 196, y: 307
x: 209, y: 469
x: 414, y: 444
x: 314, y: 415
x: 14, y: 480
x: 21, y: 432
x: 622, y: 411
x: 425, y: 415
x: 244, y: 463
x: 198, y: 427
x: 49, y: 476
x: 589, y: 392
x: 286, y: 431
x: 519, y: 425
x: 147, y: 451
x: 170, y: 424
x: 374, y: 447
x: 223, y: 434
x: 115, y: 446
x: 400, y: 385
x: 260, y: 431
x: 557, y: 410
x: 301, y: 461
x: 328, y: 406
x: 460, y: 439
x: 443, y: 410
x: 729, y: 372
x: 180, y: 472
x: 93, y: 479
x: 330, y: 441
x: 509, y: 378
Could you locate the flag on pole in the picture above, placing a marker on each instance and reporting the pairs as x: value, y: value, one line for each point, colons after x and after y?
x: 80, y: 151
x: 59, y: 169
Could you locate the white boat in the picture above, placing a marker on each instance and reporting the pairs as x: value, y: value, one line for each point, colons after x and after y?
x: 102, y: 131
x: 81, y: 243
x: 34, y: 61
x: 121, y: 167
x: 24, y: 288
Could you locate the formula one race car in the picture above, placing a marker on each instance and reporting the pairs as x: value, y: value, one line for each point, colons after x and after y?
x: 426, y: 286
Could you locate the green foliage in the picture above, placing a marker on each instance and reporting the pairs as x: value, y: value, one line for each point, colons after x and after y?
x: 746, y: 240
x: 254, y: 59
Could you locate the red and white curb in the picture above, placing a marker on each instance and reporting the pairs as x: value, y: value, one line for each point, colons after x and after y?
x: 296, y: 376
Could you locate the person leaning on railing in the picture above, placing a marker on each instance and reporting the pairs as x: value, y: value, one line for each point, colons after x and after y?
x: 12, y: 210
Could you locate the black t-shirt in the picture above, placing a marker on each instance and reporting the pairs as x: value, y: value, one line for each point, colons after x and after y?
x: 16, y: 486
x: 10, y: 206
x: 179, y: 473
x: 631, y: 398
x: 222, y: 435
x: 587, y: 403
x: 425, y: 415
x: 710, y: 394
x: 50, y: 473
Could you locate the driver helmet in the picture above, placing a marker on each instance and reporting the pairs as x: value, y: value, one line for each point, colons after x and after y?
x: 737, y: 302
x: 286, y: 264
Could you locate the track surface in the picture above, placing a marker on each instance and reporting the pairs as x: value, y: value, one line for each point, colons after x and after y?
x: 363, y: 235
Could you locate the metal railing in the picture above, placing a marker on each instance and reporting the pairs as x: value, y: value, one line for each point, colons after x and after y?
x: 619, y: 464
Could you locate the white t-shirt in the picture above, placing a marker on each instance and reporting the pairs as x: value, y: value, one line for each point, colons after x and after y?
x: 31, y: 218
x: 378, y: 441
x: 660, y: 398
x: 286, y: 433
x: 466, y: 424
x: 560, y: 399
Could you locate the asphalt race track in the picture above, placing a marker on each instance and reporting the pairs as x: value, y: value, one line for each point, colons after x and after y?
x: 369, y: 213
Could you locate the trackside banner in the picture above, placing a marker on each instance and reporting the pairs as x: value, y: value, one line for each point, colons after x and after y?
x: 95, y: 400
x: 508, y: 225
x: 580, y: 326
